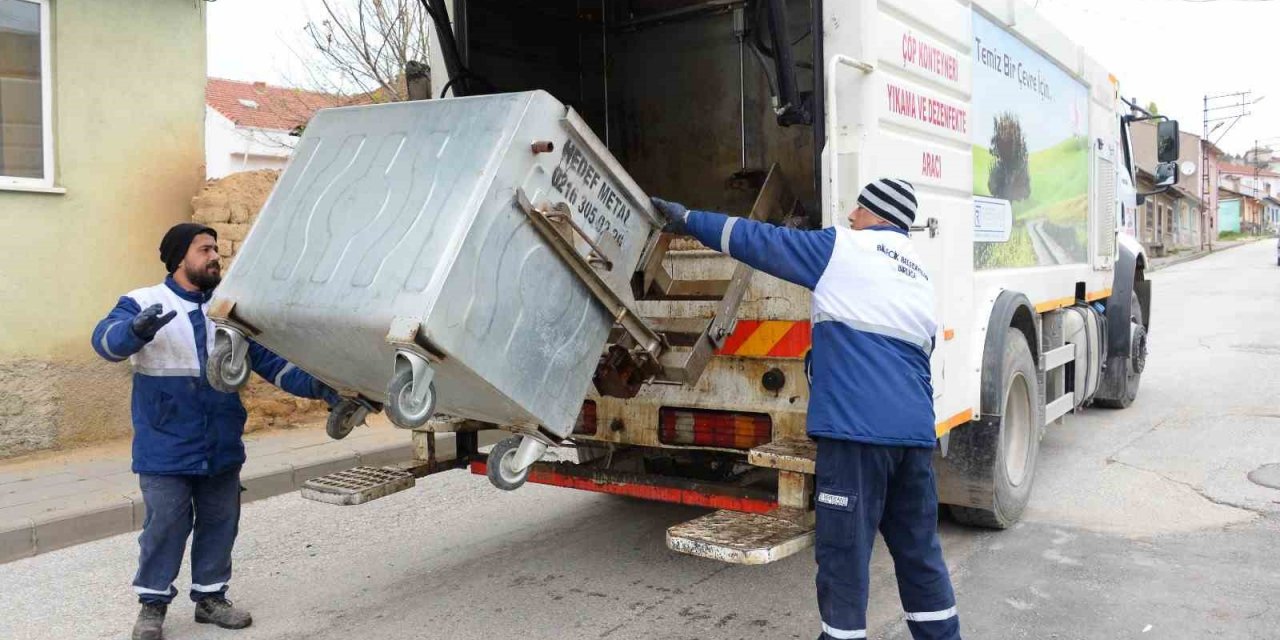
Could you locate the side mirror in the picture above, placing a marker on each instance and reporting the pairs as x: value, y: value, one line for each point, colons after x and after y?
x: 1167, y: 142
x: 1166, y: 174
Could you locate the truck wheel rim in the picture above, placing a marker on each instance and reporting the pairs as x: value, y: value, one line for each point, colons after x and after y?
x: 1016, y: 434
x: 1139, y: 348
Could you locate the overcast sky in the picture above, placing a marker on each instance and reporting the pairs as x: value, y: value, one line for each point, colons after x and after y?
x: 1172, y: 52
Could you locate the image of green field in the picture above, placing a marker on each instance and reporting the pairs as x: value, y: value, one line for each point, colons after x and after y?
x: 1059, y: 198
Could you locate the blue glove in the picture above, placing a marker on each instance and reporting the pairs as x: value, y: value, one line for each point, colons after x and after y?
x: 673, y: 215
x: 149, y: 321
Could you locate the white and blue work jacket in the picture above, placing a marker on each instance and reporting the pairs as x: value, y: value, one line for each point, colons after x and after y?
x: 874, y: 322
x: 181, y: 425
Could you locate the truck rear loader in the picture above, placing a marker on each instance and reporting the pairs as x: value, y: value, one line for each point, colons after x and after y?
x: 1015, y: 139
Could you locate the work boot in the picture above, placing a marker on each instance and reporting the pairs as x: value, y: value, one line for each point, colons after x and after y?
x: 150, y: 624
x: 219, y: 610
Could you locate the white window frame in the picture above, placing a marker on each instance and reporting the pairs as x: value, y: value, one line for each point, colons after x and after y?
x: 46, y: 105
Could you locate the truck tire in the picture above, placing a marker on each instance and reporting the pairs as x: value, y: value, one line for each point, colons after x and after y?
x: 1016, y: 441
x: 1125, y: 380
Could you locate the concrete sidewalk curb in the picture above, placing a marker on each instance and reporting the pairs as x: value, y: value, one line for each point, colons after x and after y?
x: 93, y: 515
x: 1164, y: 263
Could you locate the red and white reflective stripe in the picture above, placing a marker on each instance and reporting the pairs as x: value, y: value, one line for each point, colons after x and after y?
x: 931, y: 616
x: 843, y: 634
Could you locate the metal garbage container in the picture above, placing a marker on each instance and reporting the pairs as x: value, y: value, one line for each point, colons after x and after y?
x: 466, y: 256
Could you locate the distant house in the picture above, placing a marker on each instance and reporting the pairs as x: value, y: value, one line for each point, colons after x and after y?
x: 1176, y: 218
x: 1262, y: 180
x: 1242, y: 209
x: 1259, y: 190
x: 253, y: 125
x: 1271, y: 213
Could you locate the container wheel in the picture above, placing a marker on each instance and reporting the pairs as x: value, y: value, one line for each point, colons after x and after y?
x: 402, y: 408
x: 1017, y: 441
x: 223, y: 373
x: 499, y: 466
x: 344, y: 417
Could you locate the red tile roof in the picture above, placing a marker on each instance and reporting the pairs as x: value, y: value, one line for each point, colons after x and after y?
x: 276, y: 107
x: 1245, y: 170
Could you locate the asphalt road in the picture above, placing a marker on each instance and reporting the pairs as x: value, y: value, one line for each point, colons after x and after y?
x: 1143, y: 524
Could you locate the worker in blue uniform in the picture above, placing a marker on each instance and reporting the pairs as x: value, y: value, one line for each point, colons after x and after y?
x: 187, y: 436
x: 871, y: 397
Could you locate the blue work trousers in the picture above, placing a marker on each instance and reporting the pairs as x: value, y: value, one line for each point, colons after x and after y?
x: 176, y: 506
x: 862, y: 488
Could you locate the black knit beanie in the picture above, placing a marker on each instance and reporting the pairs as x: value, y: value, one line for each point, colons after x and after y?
x: 173, y: 248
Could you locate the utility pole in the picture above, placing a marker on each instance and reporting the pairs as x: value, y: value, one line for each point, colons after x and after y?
x: 1222, y: 110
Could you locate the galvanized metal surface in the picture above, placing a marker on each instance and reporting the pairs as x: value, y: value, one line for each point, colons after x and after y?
x: 357, y: 485
x: 725, y: 383
x: 408, y: 211
x: 739, y: 538
x: 774, y: 203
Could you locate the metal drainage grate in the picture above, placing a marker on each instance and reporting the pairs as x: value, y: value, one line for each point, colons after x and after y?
x: 357, y: 485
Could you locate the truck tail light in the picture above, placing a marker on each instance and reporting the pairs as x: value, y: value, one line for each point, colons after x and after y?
x: 708, y: 428
x: 586, y: 424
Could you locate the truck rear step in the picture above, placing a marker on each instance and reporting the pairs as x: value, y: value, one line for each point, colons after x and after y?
x: 741, y: 538
x: 786, y: 455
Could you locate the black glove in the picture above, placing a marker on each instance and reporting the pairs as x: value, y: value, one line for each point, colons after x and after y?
x: 149, y: 321
x: 673, y: 215
x: 327, y: 393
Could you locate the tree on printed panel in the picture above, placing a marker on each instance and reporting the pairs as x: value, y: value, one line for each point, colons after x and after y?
x: 1010, y: 176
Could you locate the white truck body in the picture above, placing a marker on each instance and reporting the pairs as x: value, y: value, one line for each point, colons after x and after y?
x: 937, y: 92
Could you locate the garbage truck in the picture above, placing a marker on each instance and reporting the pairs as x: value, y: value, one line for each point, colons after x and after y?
x: 691, y: 386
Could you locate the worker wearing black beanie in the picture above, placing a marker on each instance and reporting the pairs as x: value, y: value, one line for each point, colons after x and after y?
x: 188, y: 445
x: 173, y: 248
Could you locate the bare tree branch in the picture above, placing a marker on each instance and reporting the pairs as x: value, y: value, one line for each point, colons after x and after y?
x: 364, y: 45
x: 355, y: 49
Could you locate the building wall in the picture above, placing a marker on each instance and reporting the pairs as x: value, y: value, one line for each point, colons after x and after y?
x: 231, y: 149
x: 1250, y: 215
x: 1191, y: 219
x: 1209, y: 225
x: 128, y: 98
